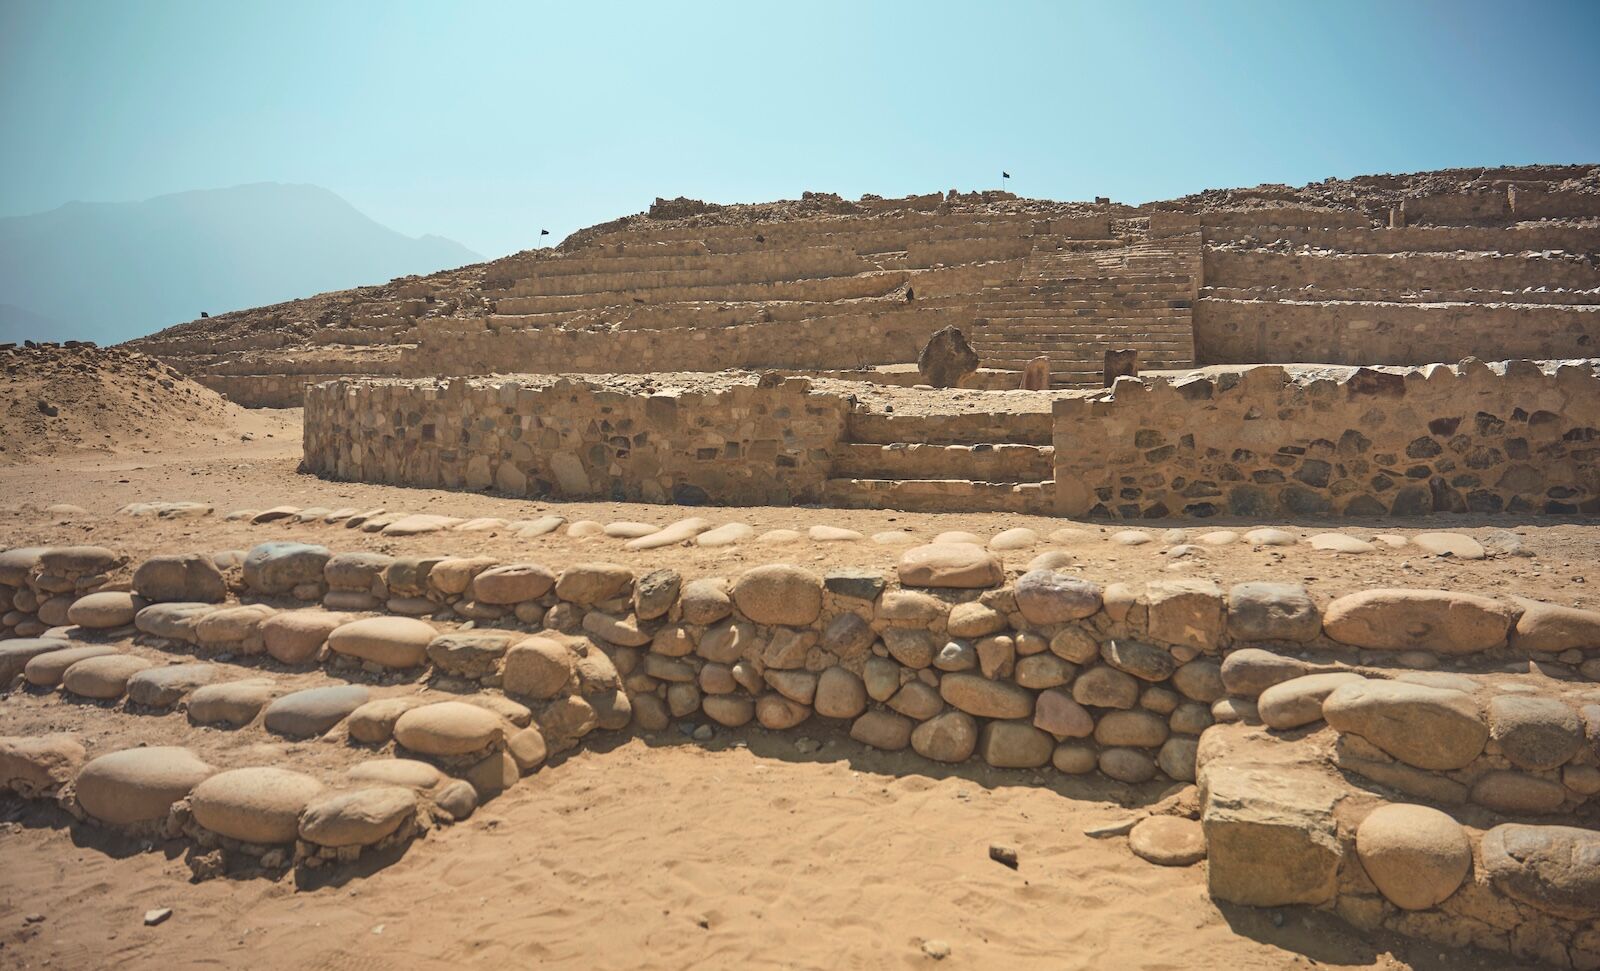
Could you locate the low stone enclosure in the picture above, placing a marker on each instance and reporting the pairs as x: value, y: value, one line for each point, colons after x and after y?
x: 1517, y: 437
x: 1421, y: 760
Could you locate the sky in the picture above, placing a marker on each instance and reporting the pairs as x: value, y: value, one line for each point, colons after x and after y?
x: 486, y: 122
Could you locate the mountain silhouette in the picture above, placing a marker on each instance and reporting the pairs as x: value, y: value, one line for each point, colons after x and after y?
x: 109, y: 271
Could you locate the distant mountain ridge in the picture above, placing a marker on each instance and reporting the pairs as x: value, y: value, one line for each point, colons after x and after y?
x: 111, y: 271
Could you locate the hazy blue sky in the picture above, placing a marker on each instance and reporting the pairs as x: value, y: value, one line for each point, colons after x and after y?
x: 486, y: 121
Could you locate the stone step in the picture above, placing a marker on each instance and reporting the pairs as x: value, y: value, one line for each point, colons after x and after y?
x: 967, y: 428
x: 984, y: 462
x: 933, y: 495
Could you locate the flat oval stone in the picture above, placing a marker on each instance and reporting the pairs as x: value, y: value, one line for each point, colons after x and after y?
x: 46, y: 670
x: 302, y: 714
x: 394, y: 642
x: 260, y: 805
x: 448, y: 728
x: 950, y: 565
x: 103, y: 678
x: 1440, y: 621
x: 1555, y: 869
x: 358, y: 818
x: 410, y: 773
x: 1168, y: 841
x: 17, y: 652
x: 138, y: 785
x: 163, y: 687
x: 105, y: 611
x: 231, y: 703
x: 1429, y: 728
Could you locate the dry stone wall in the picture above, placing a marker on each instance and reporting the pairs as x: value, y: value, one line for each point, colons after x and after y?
x: 1264, y: 442
x: 733, y: 442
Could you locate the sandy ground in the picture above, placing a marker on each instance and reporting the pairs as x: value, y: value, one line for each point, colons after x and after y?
x: 739, y: 853
x: 1559, y: 558
x: 663, y: 852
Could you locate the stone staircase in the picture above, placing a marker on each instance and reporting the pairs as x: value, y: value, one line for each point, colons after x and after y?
x: 1073, y: 305
x: 994, y: 462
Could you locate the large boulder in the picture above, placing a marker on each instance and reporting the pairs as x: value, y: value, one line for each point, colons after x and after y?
x: 1535, y: 733
x: 302, y: 714
x: 1046, y: 597
x: 1248, y: 672
x: 358, y: 818
x: 1422, y: 726
x: 373, y: 722
x: 163, y: 687
x: 296, y: 636
x: 1439, y: 621
x: 448, y: 728
x: 393, y: 642
x: 173, y: 621
x: 950, y: 565
x: 840, y: 694
x: 180, y: 577
x: 259, y: 805
x: 705, y: 601
x: 1188, y: 612
x: 34, y: 766
x: 1416, y: 856
x: 75, y: 561
x: 17, y: 564
x: 232, y: 628
x: 591, y: 583
x: 1272, y: 612
x: 538, y: 667
x: 17, y: 652
x: 1550, y: 628
x: 1555, y: 869
x: 103, y: 678
x: 280, y: 567
x: 46, y: 670
x: 882, y: 730
x: 138, y: 785
x: 977, y: 695
x: 948, y: 737
x: 1298, y: 701
x: 1015, y: 745
x: 512, y: 583
x: 106, y: 610
x: 409, y: 773
x: 947, y: 358
x: 231, y: 703
x: 779, y: 595
x: 1144, y: 661
x: 470, y: 653
x: 1270, y: 834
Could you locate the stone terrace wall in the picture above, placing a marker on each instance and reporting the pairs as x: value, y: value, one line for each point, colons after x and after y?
x: 1515, y: 437
x: 732, y: 442
x: 1338, y: 332
x: 822, y: 343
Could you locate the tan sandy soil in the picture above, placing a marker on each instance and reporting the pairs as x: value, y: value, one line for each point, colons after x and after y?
x: 67, y: 400
x: 662, y: 852
x: 1562, y: 561
x: 736, y: 854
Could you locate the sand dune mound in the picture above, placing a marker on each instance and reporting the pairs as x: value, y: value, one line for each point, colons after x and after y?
x: 61, y: 398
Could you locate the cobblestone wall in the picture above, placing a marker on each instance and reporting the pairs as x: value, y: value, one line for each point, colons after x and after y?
x: 728, y: 441
x: 1517, y: 437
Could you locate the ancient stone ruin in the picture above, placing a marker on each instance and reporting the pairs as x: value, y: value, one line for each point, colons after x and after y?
x: 1286, y: 364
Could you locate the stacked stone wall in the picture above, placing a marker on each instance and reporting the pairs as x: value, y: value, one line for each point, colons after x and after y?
x: 1516, y: 437
x: 830, y: 342
x: 1396, y: 271
x: 1339, y: 332
x: 570, y: 438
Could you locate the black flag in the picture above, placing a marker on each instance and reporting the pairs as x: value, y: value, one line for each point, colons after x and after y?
x: 544, y: 232
x: 1005, y: 175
